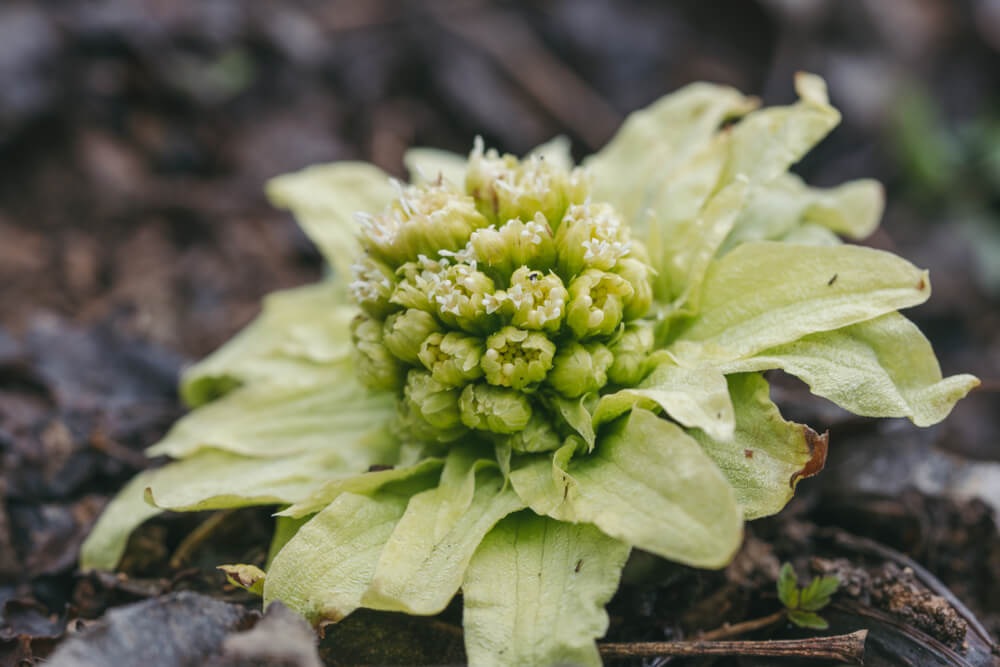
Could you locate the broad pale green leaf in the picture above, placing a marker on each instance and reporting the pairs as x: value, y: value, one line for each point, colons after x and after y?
x: 556, y: 151
x: 880, y: 368
x: 685, y: 251
x: 299, y: 334
x: 359, y: 483
x: 423, y: 563
x: 656, y: 143
x: 543, y: 483
x: 284, y: 530
x: 268, y: 421
x: 647, y: 483
x: 214, y: 479
x: 767, y: 456
x: 695, y: 397
x: 104, y: 546
x: 776, y: 209
x: 576, y: 415
x: 323, y: 571
x: 426, y: 164
x: 535, y: 591
x: 764, y: 294
x: 689, y: 205
x: 811, y: 234
x: 324, y: 199
x: 769, y: 141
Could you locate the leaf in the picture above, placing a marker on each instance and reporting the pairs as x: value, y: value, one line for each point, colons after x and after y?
x: 424, y: 561
x: 765, y: 294
x: 324, y: 199
x: 780, y: 207
x: 695, y: 397
x: 284, y: 529
x: 359, y: 483
x: 817, y: 594
x: 880, y: 368
x: 104, y: 546
x: 425, y: 165
x: 574, y: 412
x: 335, y: 414
x: 683, y: 255
x: 323, y: 571
x: 555, y: 151
x: 767, y: 456
x: 657, y: 143
x: 247, y: 577
x: 767, y: 142
x: 807, y: 619
x: 215, y: 479
x: 298, y: 336
x: 535, y: 591
x: 689, y: 213
x: 788, y: 587
x: 649, y: 484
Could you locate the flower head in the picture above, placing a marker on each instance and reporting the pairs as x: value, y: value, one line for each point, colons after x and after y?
x: 544, y: 365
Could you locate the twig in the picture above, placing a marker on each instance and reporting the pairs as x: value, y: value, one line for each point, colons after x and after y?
x: 846, y: 648
x: 195, y: 538
x: 736, y: 629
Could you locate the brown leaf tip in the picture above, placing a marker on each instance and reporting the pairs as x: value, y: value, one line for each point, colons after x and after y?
x: 818, y: 448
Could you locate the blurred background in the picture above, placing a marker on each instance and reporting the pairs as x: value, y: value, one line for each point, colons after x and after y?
x: 136, y: 136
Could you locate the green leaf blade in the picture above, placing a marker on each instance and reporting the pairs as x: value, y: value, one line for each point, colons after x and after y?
x: 765, y: 294
x: 884, y: 367
x: 535, y: 591
x: 767, y: 456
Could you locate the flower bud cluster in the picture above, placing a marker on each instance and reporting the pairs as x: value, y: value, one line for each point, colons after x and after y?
x: 482, y: 304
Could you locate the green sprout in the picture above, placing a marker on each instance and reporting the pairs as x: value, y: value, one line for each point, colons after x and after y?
x: 520, y: 369
x: 802, y: 603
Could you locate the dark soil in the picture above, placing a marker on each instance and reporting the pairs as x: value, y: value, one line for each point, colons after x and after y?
x: 136, y: 135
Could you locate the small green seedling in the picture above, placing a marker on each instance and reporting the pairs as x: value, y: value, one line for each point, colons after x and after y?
x: 803, y: 602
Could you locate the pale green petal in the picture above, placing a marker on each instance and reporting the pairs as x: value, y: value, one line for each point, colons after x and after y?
x: 779, y: 208
x: 426, y: 164
x: 104, y: 546
x: 325, y: 568
x: 656, y: 143
x: 262, y: 420
x: 880, y: 368
x: 422, y: 565
x: 299, y: 334
x: 555, y: 151
x: 324, y: 199
x: 695, y: 397
x: 647, y: 483
x: 765, y: 294
x: 535, y: 592
x: 368, y: 482
x: 767, y: 455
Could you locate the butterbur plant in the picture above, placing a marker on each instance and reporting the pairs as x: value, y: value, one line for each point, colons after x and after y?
x: 520, y: 369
